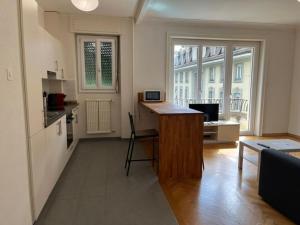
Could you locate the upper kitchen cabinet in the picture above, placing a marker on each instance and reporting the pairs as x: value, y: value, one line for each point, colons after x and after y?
x: 33, y: 64
x: 53, y: 59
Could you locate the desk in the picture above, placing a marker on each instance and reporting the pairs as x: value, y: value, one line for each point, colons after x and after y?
x: 180, y: 141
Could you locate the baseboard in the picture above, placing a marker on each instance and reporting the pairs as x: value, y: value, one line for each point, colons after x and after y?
x: 294, y: 136
x: 275, y: 134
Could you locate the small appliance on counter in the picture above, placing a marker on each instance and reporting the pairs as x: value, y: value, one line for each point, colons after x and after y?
x: 151, y: 96
x: 56, y: 101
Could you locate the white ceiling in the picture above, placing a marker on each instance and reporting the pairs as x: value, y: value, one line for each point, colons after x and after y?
x: 123, y: 8
x: 253, y: 11
x: 256, y: 11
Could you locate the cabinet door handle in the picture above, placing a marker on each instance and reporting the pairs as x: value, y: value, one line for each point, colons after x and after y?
x: 59, y: 128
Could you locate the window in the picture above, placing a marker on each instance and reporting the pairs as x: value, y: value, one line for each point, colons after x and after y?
x: 211, y: 93
x: 186, y: 93
x: 222, y: 74
x: 187, y: 78
x: 237, y: 93
x: 181, y: 77
x: 97, y: 58
x: 184, y: 57
x: 181, y: 93
x: 239, y: 69
x: 212, y: 74
x: 221, y: 96
x: 191, y: 54
x: 218, y: 74
x: 176, y: 78
x: 176, y: 92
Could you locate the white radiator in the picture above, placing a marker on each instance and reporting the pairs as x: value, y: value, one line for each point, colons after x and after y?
x: 98, y: 116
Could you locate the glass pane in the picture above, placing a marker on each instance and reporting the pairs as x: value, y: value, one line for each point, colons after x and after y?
x: 106, y: 63
x: 90, y: 64
x: 241, y: 86
x: 212, y: 77
x: 185, y: 74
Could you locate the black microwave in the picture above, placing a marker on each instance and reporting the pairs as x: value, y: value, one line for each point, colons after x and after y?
x: 153, y: 95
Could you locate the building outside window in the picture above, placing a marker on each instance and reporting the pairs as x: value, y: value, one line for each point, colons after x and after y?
x: 237, y: 93
x: 181, y: 77
x: 239, y: 69
x: 176, y: 92
x: 211, y: 93
x: 222, y: 74
x: 97, y: 57
x: 181, y: 93
x: 191, y: 54
x: 176, y: 78
x: 187, y: 78
x: 187, y: 93
x: 212, y: 74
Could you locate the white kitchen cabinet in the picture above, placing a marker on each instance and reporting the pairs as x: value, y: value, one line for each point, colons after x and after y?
x: 48, y: 153
x: 56, y: 138
x: 40, y: 164
x: 33, y: 60
x: 53, y: 56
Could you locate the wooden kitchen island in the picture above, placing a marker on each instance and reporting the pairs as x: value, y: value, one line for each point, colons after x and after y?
x: 180, y: 141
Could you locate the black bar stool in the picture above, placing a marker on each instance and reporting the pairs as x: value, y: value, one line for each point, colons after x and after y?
x: 135, y: 135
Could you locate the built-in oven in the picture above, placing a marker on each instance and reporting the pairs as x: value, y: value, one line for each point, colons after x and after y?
x: 70, y: 134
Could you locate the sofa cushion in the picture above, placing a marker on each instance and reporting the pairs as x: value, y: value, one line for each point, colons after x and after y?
x: 279, y: 182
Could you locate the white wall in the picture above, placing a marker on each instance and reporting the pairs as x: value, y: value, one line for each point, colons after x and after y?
x: 294, y: 125
x: 150, y: 45
x: 88, y: 24
x: 14, y: 183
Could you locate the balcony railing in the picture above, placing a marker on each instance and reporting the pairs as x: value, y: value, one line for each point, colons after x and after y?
x: 237, y: 105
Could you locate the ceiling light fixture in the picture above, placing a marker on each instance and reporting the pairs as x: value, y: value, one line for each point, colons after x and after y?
x: 85, y: 5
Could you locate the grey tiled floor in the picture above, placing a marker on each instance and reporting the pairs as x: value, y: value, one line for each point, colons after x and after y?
x: 94, y: 190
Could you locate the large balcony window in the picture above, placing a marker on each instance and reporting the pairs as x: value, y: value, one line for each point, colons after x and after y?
x: 219, y: 73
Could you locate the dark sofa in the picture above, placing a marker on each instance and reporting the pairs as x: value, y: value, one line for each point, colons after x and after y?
x: 279, y: 182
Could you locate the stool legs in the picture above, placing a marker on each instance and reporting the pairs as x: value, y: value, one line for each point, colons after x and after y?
x: 130, y: 156
x: 130, y: 140
x: 153, y: 151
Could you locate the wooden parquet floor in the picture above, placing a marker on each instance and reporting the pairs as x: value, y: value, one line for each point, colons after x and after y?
x: 225, y: 195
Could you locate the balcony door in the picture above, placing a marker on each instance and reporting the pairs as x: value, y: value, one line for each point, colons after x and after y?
x: 222, y: 72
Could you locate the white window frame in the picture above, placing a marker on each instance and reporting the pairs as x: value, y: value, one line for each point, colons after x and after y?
x: 172, y: 41
x: 81, y: 65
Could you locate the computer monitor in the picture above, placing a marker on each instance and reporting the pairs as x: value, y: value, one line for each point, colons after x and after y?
x: 211, y: 111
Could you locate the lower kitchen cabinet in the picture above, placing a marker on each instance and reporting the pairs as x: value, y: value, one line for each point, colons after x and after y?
x: 49, y: 156
x: 39, y: 157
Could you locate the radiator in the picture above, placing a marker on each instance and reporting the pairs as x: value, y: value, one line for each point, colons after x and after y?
x: 98, y: 116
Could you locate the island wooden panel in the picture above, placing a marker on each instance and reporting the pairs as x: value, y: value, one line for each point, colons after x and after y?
x: 180, y: 141
x: 180, y: 146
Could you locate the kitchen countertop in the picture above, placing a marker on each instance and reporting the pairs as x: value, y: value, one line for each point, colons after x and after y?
x: 54, y: 115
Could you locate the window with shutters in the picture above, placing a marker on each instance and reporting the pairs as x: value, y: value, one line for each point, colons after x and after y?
x: 97, y: 63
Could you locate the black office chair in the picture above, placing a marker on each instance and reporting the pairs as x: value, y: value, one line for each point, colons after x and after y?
x: 135, y: 135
